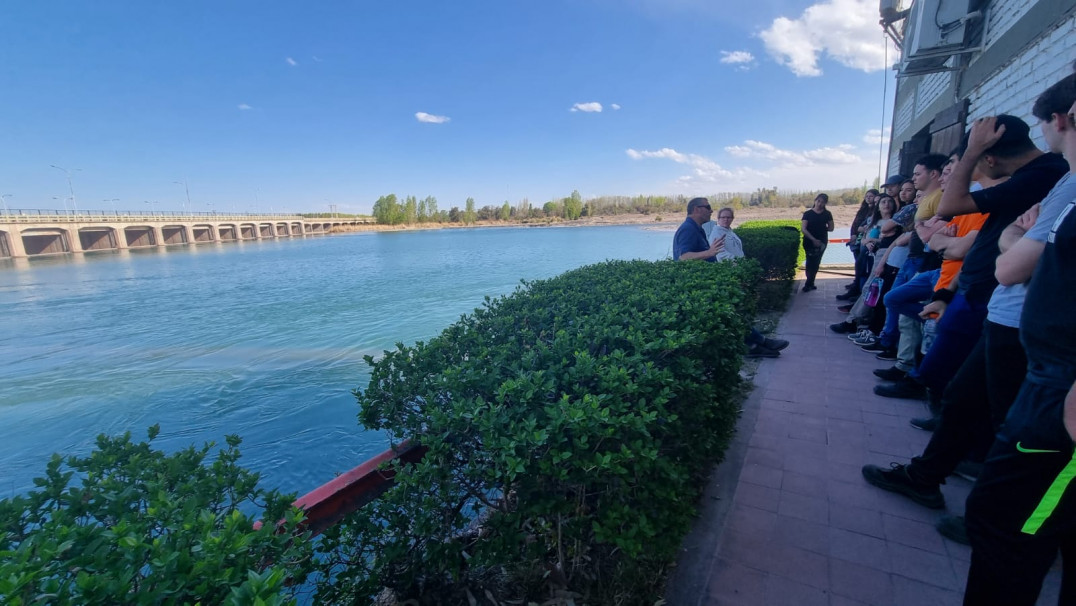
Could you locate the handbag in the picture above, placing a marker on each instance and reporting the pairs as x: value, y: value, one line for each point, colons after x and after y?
x: 874, y: 293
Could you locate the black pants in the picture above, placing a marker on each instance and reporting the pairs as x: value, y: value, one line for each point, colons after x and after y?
x: 814, y: 259
x: 1022, y: 509
x: 974, y: 404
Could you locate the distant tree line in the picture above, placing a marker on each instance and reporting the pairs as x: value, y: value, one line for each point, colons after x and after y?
x: 388, y: 210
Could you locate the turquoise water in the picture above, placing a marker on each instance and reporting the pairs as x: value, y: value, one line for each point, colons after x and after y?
x: 262, y: 339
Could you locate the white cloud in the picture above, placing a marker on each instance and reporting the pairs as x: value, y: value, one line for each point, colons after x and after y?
x: 743, y: 60
x: 291, y: 62
x: 244, y: 106
x: 430, y: 118
x: 761, y: 164
x: 593, y: 106
x: 846, y: 31
x: 703, y: 169
x: 876, y: 136
x: 615, y: 106
x: 841, y: 154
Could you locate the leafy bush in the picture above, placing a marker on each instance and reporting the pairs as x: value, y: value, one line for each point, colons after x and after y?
x: 143, y: 527
x: 776, y: 247
x: 569, y: 427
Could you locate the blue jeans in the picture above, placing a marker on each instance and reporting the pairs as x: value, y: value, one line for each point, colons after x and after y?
x: 958, y: 331
x: 906, y: 300
x: 891, y: 332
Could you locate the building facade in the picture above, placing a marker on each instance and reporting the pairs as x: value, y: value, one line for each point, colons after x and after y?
x: 964, y: 59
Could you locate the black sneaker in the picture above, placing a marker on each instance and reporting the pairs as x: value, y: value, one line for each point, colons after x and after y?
x: 759, y: 351
x: 887, y: 355
x: 848, y: 296
x: 775, y: 344
x: 875, y: 347
x: 843, y: 328
x: 907, y: 389
x: 890, y: 374
x: 953, y: 528
x: 897, y: 480
x: 809, y: 287
x: 844, y: 308
x: 925, y: 423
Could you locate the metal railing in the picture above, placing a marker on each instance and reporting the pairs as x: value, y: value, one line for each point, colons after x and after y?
x: 99, y: 216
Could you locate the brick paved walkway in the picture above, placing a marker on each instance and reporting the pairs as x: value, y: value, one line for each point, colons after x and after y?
x: 788, y: 518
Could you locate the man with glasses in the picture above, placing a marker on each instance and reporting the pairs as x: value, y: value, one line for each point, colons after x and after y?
x: 691, y: 242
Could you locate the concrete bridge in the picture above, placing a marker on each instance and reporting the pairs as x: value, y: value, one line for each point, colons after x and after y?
x: 28, y: 233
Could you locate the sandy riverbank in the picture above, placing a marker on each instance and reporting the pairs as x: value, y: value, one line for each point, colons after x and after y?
x: 842, y: 217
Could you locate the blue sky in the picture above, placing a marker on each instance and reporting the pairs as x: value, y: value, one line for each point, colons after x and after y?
x: 293, y: 106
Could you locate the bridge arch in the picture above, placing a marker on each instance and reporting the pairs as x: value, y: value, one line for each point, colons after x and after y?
x: 45, y: 241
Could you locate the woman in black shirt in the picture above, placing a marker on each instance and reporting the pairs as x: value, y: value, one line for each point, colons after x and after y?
x: 815, y: 225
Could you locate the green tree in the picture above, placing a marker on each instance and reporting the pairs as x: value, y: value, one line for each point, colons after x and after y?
x: 387, y: 210
x: 551, y: 208
x: 431, y: 208
x: 573, y: 206
x: 469, y: 212
x: 506, y: 211
x: 410, y: 211
x: 423, y: 215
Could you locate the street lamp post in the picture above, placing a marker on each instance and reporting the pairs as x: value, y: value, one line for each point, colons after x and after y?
x: 70, y: 187
x: 3, y: 198
x: 187, y: 190
x: 113, y: 201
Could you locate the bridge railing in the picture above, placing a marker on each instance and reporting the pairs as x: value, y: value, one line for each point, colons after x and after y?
x: 92, y: 216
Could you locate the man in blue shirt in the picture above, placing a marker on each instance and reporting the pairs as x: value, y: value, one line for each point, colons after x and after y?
x: 690, y: 239
x: 690, y: 243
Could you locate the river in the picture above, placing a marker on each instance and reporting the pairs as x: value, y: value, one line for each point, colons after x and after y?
x: 263, y: 339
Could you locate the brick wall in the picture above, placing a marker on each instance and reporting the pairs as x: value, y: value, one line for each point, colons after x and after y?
x: 1014, y: 88
x: 930, y: 88
x: 1001, y: 15
x: 902, y: 118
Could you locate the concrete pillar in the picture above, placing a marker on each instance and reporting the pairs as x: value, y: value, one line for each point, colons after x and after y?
x: 14, y: 240
x: 74, y: 243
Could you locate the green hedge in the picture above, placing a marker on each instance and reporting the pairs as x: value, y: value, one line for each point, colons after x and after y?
x: 139, y: 526
x: 570, y: 427
x: 776, y: 247
x: 575, y: 419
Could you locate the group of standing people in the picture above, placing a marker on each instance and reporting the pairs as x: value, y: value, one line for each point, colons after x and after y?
x: 986, y: 334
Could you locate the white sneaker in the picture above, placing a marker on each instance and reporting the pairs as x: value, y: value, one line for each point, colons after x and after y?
x: 859, y: 334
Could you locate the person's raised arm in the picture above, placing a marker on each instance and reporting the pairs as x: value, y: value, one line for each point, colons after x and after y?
x: 956, y: 199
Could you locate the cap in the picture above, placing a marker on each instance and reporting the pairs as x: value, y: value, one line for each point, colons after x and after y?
x: 895, y: 180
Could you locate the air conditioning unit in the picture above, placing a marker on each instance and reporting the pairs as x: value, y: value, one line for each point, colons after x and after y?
x: 935, y: 30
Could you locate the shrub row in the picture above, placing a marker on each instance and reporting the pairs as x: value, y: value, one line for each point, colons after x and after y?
x: 569, y: 426
x: 776, y: 247
x: 143, y: 527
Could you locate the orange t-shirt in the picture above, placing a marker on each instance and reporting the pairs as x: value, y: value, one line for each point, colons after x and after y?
x: 964, y: 224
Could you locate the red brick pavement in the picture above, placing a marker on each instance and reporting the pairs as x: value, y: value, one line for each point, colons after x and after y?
x: 788, y: 518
